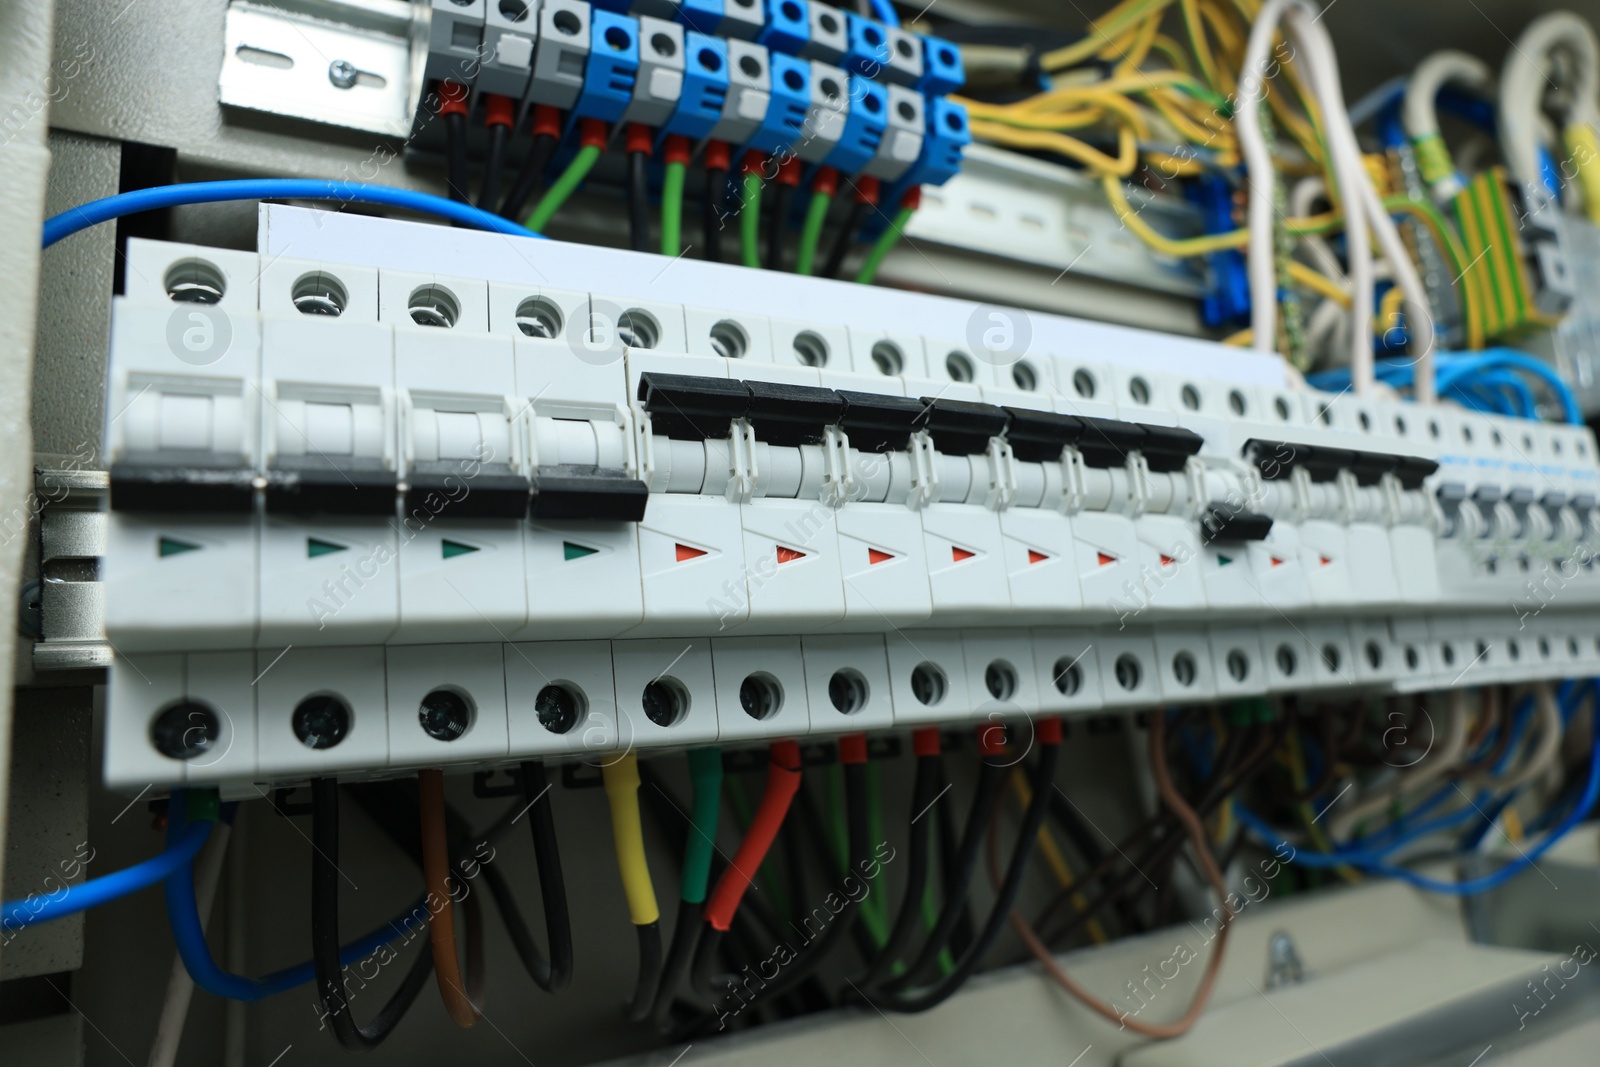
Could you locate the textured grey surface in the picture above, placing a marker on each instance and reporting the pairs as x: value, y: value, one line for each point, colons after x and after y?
x: 47, y: 843
x: 74, y: 306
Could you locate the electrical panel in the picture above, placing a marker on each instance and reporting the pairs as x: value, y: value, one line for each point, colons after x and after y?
x: 366, y: 520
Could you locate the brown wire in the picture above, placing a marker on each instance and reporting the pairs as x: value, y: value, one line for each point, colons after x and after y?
x: 460, y: 1000
x: 1197, y: 835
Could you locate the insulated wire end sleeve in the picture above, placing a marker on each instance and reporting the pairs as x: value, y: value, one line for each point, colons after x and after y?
x: 672, y: 209
x: 621, y: 779
x: 95, y: 212
x: 705, y: 775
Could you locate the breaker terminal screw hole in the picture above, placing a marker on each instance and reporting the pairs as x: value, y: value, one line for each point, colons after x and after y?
x: 1190, y: 397
x: 1374, y: 653
x: 1331, y: 657
x: 1127, y: 671
x: 1287, y: 661
x: 321, y: 721
x: 1447, y: 654
x: 638, y: 329
x: 847, y: 690
x: 1068, y: 678
x: 195, y: 281
x: 928, y: 684
x: 665, y: 702
x: 1281, y: 406
x: 185, y: 730
x: 887, y: 358
x: 1185, y: 669
x: 1000, y: 678
x: 810, y: 349
x: 1238, y: 665
x: 433, y: 305
x: 1412, y: 658
x: 1236, y: 403
x: 559, y: 707
x: 760, y: 696
x: 1025, y: 377
x: 567, y: 23
x: 538, y: 317
x: 445, y: 714
x: 319, y: 294
x: 662, y: 44
x: 1139, y: 391
x: 728, y: 339
x: 959, y: 367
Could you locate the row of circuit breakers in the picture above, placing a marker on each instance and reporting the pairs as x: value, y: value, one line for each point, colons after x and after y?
x: 780, y: 77
x: 364, y: 520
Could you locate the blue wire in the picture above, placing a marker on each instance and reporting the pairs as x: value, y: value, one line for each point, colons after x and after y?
x: 1470, y: 887
x: 886, y: 13
x: 1456, y: 371
x: 95, y: 212
x: 183, y: 913
x: 180, y: 850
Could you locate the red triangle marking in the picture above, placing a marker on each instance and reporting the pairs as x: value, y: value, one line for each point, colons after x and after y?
x: 686, y: 553
x: 789, y: 555
x: 1167, y: 561
x: 1036, y: 557
x: 1276, y: 562
x: 875, y: 556
x: 1325, y: 560
x: 959, y: 554
x: 1105, y: 560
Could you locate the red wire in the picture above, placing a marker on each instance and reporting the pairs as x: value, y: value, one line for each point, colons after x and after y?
x: 783, y: 781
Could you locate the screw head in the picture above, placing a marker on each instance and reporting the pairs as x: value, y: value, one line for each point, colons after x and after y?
x: 343, y: 73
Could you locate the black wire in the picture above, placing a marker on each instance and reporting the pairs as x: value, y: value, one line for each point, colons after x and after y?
x: 494, y: 161
x: 845, y: 237
x: 923, y: 791
x: 554, y: 974
x: 1021, y: 853
x: 455, y: 129
x: 325, y: 935
x: 716, y: 192
x: 777, y: 223
x: 950, y: 869
x: 639, y: 200
x: 680, y: 958
x: 987, y: 794
x: 533, y: 165
x: 650, y: 963
x: 1087, y: 843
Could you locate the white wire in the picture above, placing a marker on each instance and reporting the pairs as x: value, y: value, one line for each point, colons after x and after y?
x: 1420, y: 116
x: 1429, y: 769
x: 180, y: 987
x: 1543, y: 757
x: 1524, y: 78
x: 1260, y: 261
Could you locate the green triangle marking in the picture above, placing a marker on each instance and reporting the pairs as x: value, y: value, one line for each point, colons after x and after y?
x: 171, y: 546
x: 452, y: 549
x: 315, y: 548
x: 570, y: 551
x: 1223, y: 561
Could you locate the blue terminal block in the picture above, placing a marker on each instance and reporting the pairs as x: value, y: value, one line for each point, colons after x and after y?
x: 702, y: 16
x: 942, y: 70
x: 786, y: 110
x: 705, y: 86
x: 947, y: 135
x: 863, y: 127
x: 868, y: 51
x: 612, y: 69
x: 788, y: 26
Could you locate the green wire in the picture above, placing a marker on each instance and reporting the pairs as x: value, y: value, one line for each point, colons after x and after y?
x: 886, y: 241
x: 672, y: 209
x: 873, y: 910
x: 705, y: 775
x: 811, y: 234
x: 750, y: 221
x: 563, y: 187
x: 930, y: 918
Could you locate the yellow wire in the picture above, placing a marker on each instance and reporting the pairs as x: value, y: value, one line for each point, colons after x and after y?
x: 1125, y: 162
x: 1196, y: 246
x: 622, y: 793
x: 1106, y: 28
x: 1297, y: 773
x: 1513, y: 824
x: 1243, y: 339
x: 1172, y: 52
x: 1055, y: 859
x: 1320, y: 284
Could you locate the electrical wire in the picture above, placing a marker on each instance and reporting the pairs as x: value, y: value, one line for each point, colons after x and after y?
x: 621, y: 779
x: 672, y: 208
x: 328, y: 960
x: 750, y: 220
x: 1421, y: 116
x: 551, y: 975
x: 1432, y: 766
x: 494, y: 161
x: 777, y: 222
x: 81, y: 896
x: 711, y: 220
x: 180, y: 987
x: 924, y: 791
x: 533, y: 165
x: 885, y: 13
x: 455, y: 130
x: 1523, y: 80
x: 563, y: 187
x: 859, y: 210
x: 1175, y: 803
x: 705, y: 777
x: 811, y: 232
x: 1054, y: 857
x: 885, y: 242
x: 639, y: 201
x: 107, y: 208
x: 1048, y: 734
x: 462, y: 997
